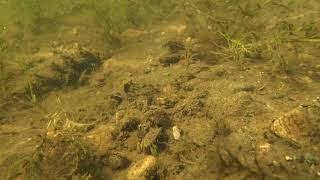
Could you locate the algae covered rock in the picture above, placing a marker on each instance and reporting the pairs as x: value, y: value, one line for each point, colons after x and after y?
x: 300, y: 124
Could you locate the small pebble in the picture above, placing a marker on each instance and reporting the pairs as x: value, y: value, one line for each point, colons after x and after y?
x: 288, y: 158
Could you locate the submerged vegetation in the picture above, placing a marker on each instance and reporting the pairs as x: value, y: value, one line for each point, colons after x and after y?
x: 123, y: 112
x: 253, y: 29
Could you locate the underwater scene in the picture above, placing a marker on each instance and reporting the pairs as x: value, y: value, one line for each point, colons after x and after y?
x: 159, y: 89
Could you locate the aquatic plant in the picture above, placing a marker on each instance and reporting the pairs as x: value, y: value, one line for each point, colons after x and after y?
x: 248, y: 32
x: 32, y: 95
x: 189, y: 55
x: 154, y: 149
x: 62, y: 157
x: 237, y: 49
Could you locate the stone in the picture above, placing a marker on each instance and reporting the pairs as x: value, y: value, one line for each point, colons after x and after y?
x: 297, y: 125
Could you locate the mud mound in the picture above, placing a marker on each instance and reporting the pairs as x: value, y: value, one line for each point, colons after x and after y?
x: 59, y: 68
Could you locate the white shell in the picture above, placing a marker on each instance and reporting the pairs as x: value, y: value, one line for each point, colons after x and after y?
x: 176, y: 132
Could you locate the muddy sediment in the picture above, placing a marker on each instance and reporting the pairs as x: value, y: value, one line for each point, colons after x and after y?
x: 159, y: 108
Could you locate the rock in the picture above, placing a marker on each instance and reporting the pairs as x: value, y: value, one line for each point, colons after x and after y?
x: 143, y: 169
x: 298, y: 125
x: 117, y: 162
x: 169, y: 59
